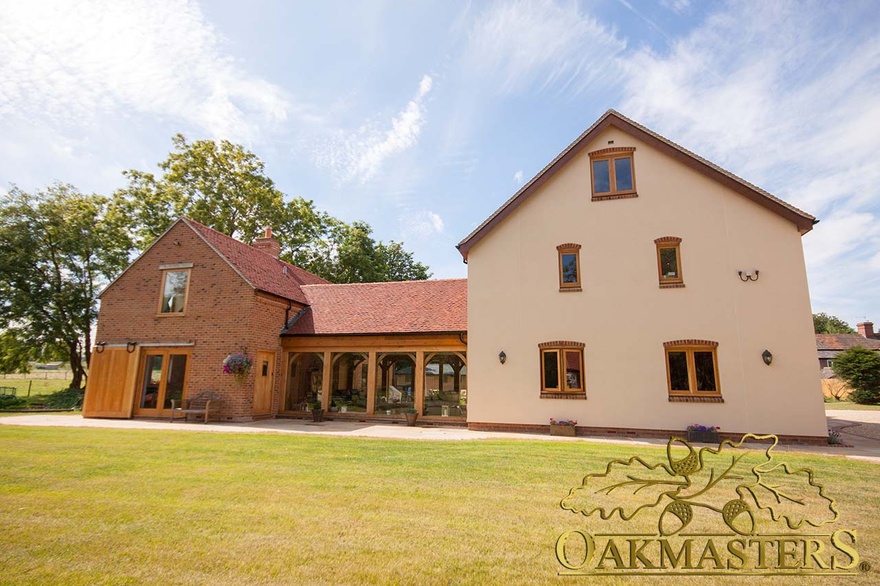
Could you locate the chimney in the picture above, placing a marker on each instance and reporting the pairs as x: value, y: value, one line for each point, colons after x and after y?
x: 268, y: 244
x: 866, y: 329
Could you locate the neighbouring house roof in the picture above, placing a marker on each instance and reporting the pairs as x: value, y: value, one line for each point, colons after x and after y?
x: 825, y: 343
x: 261, y: 270
x: 801, y: 219
x: 414, y: 307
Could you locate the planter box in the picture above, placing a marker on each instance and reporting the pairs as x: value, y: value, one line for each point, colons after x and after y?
x: 706, y: 437
x: 563, y: 430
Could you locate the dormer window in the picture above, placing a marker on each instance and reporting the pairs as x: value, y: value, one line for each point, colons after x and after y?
x: 175, y: 284
x: 613, y: 173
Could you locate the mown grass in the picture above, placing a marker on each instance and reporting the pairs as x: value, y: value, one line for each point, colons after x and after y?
x: 100, y: 506
x: 37, y: 386
x: 849, y: 406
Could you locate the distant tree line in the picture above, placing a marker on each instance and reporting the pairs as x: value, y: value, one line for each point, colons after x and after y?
x: 59, y: 247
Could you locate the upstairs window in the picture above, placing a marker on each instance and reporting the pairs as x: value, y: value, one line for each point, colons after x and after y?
x: 562, y: 370
x: 175, y: 283
x: 613, y: 173
x: 669, y: 261
x: 569, y: 267
x: 692, y: 370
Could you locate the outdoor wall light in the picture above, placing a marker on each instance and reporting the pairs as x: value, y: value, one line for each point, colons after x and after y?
x: 502, y: 357
x: 748, y: 275
x: 767, y: 356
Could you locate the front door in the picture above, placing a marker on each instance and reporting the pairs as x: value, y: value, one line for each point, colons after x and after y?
x: 162, y: 379
x: 264, y: 383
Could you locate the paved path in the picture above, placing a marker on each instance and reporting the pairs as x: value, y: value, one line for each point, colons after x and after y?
x: 863, y: 447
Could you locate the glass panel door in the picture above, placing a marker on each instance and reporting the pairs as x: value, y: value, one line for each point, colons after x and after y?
x: 175, y: 379
x: 152, y: 381
x: 163, y: 379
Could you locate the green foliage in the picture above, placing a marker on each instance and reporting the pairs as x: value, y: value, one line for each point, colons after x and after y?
x: 16, y: 352
x: 829, y: 324
x: 66, y: 399
x: 225, y: 187
x: 350, y: 255
x: 11, y: 402
x: 221, y: 185
x: 58, y: 247
x: 860, y: 368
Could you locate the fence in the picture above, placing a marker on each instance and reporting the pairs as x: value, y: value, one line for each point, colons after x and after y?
x: 41, y: 375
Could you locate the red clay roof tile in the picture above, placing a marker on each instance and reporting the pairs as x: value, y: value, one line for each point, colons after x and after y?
x: 383, y: 308
x: 844, y: 342
x: 262, y: 270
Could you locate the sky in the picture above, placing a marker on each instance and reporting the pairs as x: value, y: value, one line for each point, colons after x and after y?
x: 422, y: 118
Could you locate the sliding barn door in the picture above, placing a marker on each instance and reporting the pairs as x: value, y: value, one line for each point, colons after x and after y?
x: 110, y: 388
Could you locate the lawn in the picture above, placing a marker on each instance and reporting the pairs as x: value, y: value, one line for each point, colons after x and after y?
x: 849, y: 406
x: 100, y: 506
x: 37, y: 386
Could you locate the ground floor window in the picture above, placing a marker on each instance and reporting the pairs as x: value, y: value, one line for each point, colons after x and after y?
x: 562, y: 369
x: 445, y: 385
x: 692, y: 368
x: 305, y: 380
x: 349, y: 387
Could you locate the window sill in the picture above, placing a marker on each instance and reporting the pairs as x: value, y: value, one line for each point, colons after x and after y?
x: 177, y: 314
x: 605, y: 196
x: 570, y: 289
x: 672, y: 285
x: 576, y: 396
x: 694, y: 399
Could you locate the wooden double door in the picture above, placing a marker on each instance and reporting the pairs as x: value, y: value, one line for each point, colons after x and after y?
x: 163, y: 377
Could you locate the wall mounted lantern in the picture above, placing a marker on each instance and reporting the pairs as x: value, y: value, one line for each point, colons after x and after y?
x: 748, y: 275
x: 502, y: 357
x: 767, y: 356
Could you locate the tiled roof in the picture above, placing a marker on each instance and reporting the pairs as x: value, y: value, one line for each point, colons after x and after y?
x: 383, y: 308
x: 844, y: 342
x: 263, y: 271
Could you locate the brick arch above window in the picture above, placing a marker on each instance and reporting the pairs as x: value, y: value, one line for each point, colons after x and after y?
x: 690, y: 342
x: 561, y: 344
x: 667, y: 240
x: 611, y: 151
x: 569, y: 246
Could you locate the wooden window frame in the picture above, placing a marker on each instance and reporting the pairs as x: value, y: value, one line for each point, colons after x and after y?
x: 669, y: 243
x: 570, y: 248
x: 563, y: 391
x: 173, y: 269
x: 610, y: 154
x: 689, y: 347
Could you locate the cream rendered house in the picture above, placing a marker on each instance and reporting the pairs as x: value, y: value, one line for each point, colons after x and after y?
x: 636, y: 287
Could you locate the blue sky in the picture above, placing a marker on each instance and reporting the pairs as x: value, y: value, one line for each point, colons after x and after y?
x: 423, y: 117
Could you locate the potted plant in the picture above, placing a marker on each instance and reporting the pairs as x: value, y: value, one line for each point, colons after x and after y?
x: 317, y: 412
x: 563, y: 427
x: 707, y: 434
x: 238, y: 365
x: 411, y: 416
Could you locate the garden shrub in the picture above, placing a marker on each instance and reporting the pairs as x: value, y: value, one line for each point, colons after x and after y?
x: 66, y: 399
x: 11, y: 402
x: 860, y: 368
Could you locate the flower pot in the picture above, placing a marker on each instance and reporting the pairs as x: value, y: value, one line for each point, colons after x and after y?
x: 562, y: 430
x: 705, y: 437
x: 317, y: 415
x: 411, y: 419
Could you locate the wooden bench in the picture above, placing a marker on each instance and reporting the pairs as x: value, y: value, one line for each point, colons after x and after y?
x: 204, y: 403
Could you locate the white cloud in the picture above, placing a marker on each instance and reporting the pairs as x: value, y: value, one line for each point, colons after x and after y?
x: 518, y: 177
x: 71, y: 63
x: 538, y: 43
x: 361, y: 154
x: 421, y: 225
x: 775, y: 93
x: 677, y: 6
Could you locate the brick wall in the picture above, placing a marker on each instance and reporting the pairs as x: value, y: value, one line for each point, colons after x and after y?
x: 223, y: 315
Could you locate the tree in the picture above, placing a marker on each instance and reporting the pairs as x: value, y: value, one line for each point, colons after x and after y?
x: 16, y: 352
x: 350, y: 255
x: 860, y: 368
x: 829, y: 324
x: 221, y: 185
x: 224, y: 186
x: 57, y: 248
